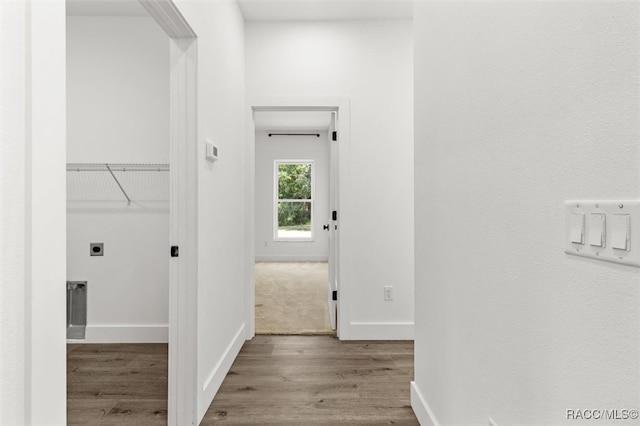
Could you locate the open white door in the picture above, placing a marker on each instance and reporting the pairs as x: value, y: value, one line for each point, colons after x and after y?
x: 333, y: 221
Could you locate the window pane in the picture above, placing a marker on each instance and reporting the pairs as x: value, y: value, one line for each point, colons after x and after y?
x: 294, y: 219
x: 294, y: 181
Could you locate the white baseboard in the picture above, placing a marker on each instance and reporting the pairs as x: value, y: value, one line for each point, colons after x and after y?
x: 219, y: 372
x: 380, y: 331
x: 292, y: 258
x: 125, y: 334
x: 421, y: 408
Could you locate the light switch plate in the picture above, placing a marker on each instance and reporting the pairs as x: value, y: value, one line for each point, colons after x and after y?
x: 595, y: 233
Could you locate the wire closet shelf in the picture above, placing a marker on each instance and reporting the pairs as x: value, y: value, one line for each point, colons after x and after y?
x: 107, y: 180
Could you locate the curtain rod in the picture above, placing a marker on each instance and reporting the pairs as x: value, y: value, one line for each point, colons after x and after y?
x: 295, y: 134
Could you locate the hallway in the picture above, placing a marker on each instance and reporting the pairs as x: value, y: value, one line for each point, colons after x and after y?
x: 276, y: 380
x: 316, y: 380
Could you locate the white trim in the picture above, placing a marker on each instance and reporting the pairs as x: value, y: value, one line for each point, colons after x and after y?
x: 183, y: 298
x: 291, y: 258
x: 219, y: 372
x: 125, y: 333
x: 276, y: 200
x: 420, y: 407
x: 167, y: 15
x: 381, y: 331
x: 342, y: 106
x: 183, y: 212
x: 45, y: 231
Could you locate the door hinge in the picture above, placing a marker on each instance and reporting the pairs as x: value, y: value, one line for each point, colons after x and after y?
x: 334, y: 295
x: 334, y: 215
x: 174, y: 251
x: 334, y: 136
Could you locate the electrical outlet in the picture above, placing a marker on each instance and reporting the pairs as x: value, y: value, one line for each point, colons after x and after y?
x: 96, y: 249
x: 388, y: 292
x: 491, y: 422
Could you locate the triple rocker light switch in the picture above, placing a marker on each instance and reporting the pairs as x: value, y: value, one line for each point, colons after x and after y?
x: 603, y: 230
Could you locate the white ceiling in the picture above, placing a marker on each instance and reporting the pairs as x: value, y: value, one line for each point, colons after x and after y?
x: 294, y: 121
x: 268, y: 10
x: 105, y: 8
x: 325, y: 10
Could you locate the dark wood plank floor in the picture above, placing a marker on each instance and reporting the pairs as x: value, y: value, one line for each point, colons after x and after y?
x: 276, y: 380
x: 314, y: 380
x: 117, y: 384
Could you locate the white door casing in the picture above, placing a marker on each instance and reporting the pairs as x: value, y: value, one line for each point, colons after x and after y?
x: 333, y: 224
x: 339, y: 105
x: 183, y: 213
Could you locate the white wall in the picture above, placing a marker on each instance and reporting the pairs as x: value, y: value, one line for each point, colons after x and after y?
x: 269, y: 149
x: 13, y: 102
x: 371, y: 64
x: 118, y: 111
x: 221, y: 65
x: 520, y: 107
x: 118, y: 90
x: 221, y: 191
x: 32, y: 373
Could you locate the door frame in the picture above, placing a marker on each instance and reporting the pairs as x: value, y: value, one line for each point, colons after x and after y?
x: 183, y: 212
x: 341, y: 105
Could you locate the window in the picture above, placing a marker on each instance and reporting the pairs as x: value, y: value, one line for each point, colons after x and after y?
x: 293, y: 200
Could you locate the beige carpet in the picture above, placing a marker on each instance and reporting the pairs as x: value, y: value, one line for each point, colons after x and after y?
x: 291, y: 298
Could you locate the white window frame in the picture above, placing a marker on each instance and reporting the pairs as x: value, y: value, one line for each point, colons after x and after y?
x: 276, y: 200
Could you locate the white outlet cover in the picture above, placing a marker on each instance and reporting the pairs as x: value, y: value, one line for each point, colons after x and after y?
x: 609, y: 208
x: 211, y: 150
x: 388, y: 292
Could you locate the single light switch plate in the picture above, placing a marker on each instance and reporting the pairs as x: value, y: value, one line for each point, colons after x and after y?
x: 610, y: 230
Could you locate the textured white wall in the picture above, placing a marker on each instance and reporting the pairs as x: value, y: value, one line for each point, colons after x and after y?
x: 118, y: 111
x: 273, y: 148
x: 13, y: 80
x: 520, y: 106
x: 221, y: 190
x: 370, y: 63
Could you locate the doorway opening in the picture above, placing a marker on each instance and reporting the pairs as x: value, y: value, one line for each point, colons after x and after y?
x: 294, y: 233
x: 131, y: 210
x: 292, y: 216
x: 118, y: 221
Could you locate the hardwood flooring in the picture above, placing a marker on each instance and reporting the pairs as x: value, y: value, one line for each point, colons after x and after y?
x: 117, y: 384
x: 316, y: 380
x: 276, y: 380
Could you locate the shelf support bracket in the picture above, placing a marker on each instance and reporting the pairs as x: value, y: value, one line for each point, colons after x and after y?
x: 119, y: 186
